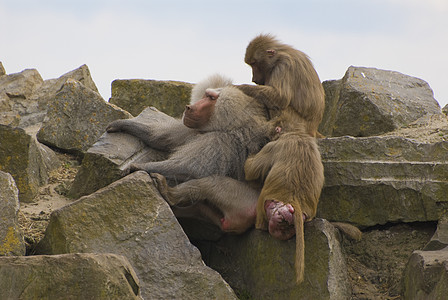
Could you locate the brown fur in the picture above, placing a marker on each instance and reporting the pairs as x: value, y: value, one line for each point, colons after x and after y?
x: 286, y: 80
x: 290, y: 167
x: 293, y: 173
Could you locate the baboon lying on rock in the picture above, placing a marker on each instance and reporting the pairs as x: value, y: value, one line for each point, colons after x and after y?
x: 215, y: 136
x: 220, y: 128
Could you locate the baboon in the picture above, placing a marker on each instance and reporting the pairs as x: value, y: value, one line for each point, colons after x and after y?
x: 215, y: 136
x: 293, y: 175
x: 290, y: 167
x: 287, y: 84
x: 207, y: 158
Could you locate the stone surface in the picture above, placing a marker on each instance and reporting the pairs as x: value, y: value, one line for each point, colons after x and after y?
x: 21, y: 85
x: 11, y: 238
x: 15, y: 93
x: 375, y: 180
x: 440, y: 238
x: 258, y: 266
x: 134, y: 95
x: 28, y: 161
x: 368, y: 101
x: 106, y: 160
x: 426, y: 275
x: 69, y: 276
x: 24, y: 96
x: 77, y: 118
x: 2, y: 69
x: 130, y: 218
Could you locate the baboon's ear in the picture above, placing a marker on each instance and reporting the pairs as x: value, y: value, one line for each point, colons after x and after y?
x: 270, y: 52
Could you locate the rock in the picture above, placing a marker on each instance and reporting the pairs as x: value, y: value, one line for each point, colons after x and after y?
x: 2, y: 69
x: 440, y: 238
x: 47, y: 92
x: 426, y: 275
x: 20, y: 85
x: 107, y: 159
x: 258, y: 266
x: 134, y: 95
x: 28, y: 161
x: 24, y: 96
x: 130, y: 218
x: 375, y: 180
x: 77, y: 118
x: 445, y: 109
x: 368, y: 101
x: 15, y: 92
x: 69, y: 276
x: 11, y: 238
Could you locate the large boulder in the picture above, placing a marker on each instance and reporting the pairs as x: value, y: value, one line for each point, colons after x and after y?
x: 258, y: 266
x: 130, y: 218
x: 134, y: 95
x: 28, y: 161
x: 107, y: 160
x: 15, y: 93
x: 368, y: 101
x: 426, y: 275
x: 77, y: 118
x: 69, y: 276
x: 24, y: 96
x: 375, y: 180
x: 11, y: 238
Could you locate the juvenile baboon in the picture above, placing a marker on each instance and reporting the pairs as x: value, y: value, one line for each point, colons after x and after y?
x: 287, y: 84
x: 293, y: 175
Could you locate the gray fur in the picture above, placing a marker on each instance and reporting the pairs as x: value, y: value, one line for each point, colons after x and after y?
x: 237, y: 129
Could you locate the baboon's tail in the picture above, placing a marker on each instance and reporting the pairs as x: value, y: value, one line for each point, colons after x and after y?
x: 300, y: 244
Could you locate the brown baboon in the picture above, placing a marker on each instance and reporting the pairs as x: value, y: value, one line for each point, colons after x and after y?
x: 287, y: 84
x: 290, y: 168
x: 293, y: 175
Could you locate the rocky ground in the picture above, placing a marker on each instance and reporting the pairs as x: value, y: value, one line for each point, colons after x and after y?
x: 375, y: 264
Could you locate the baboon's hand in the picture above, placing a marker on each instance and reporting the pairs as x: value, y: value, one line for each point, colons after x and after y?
x: 114, y: 126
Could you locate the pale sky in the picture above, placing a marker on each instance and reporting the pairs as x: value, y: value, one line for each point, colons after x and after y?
x: 189, y: 40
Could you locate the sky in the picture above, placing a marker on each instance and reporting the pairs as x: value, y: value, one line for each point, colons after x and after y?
x: 192, y: 39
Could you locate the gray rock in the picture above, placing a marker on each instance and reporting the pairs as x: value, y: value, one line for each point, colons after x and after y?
x: 134, y: 95
x: 20, y: 85
x: 28, y: 161
x: 130, y: 218
x: 258, y: 266
x: 376, y: 180
x: 107, y: 159
x: 77, y: 118
x: 426, y: 275
x: 24, y: 96
x: 48, y: 90
x: 15, y: 92
x: 2, y: 69
x: 69, y: 276
x: 11, y: 238
x: 440, y: 237
x: 368, y: 101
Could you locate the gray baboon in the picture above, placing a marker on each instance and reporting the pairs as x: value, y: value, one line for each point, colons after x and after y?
x: 215, y: 136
